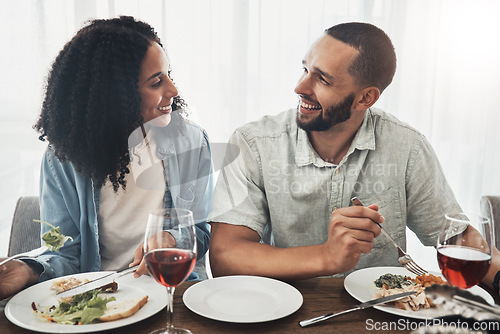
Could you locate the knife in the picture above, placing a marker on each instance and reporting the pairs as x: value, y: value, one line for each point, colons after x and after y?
x: 96, y: 283
x: 361, y: 306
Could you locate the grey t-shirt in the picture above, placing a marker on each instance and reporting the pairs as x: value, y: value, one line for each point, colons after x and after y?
x: 277, y: 185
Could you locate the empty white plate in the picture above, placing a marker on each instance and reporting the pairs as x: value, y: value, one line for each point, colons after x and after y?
x: 242, y: 299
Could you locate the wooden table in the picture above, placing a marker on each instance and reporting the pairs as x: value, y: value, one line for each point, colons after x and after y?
x: 321, y: 295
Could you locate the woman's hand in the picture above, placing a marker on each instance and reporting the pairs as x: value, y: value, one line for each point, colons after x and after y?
x: 14, y: 276
x: 167, y: 241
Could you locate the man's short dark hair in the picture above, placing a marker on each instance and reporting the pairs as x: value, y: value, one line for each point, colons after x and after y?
x: 375, y: 64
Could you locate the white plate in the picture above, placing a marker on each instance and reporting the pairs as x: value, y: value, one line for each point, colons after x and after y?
x: 242, y: 299
x: 360, y: 284
x: 19, y: 311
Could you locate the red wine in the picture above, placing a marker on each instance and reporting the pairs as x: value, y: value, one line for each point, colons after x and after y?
x: 170, y: 266
x: 461, y: 266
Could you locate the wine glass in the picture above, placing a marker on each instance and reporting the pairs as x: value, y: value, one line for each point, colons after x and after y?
x: 464, y: 249
x: 170, y: 253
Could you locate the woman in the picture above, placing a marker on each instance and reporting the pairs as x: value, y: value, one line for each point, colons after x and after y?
x: 119, y: 148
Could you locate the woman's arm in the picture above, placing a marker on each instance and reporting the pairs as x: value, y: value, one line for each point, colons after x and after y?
x: 57, y: 206
x: 203, y: 196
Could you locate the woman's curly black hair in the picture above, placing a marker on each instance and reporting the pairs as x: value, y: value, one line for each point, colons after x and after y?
x: 92, y: 102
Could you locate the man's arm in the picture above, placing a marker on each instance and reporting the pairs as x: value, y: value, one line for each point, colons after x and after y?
x: 236, y: 250
x: 494, y: 268
x: 429, y: 197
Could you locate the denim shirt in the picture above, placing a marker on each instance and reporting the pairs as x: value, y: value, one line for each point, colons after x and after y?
x: 278, y: 185
x: 70, y: 200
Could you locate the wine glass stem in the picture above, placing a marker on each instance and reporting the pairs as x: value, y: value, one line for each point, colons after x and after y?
x: 170, y: 308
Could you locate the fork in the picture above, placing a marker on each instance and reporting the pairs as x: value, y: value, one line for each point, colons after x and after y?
x: 32, y: 253
x: 404, y: 258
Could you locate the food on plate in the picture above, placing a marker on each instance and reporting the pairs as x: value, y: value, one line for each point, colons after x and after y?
x: 110, y: 287
x: 67, y: 283
x: 80, y: 309
x: 391, y: 284
x: 88, y: 307
x: 428, y: 280
x: 123, y: 309
x: 53, y: 238
x: 412, y: 302
x: 391, y: 281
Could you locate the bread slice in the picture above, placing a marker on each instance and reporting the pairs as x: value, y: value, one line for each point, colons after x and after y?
x: 123, y: 309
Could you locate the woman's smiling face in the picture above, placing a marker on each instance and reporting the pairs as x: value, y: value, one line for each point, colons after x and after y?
x: 155, y: 87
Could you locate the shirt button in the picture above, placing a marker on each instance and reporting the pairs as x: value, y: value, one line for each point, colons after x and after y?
x: 335, y: 208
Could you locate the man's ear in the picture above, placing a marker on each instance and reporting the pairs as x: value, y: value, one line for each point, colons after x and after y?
x: 367, y: 97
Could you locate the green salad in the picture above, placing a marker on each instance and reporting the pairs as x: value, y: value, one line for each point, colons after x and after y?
x: 85, y: 308
x: 53, y: 238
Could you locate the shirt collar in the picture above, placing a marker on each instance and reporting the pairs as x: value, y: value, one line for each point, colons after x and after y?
x: 363, y: 140
x: 365, y: 137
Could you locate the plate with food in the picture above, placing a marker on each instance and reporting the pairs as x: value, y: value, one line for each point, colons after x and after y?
x: 37, y: 308
x: 369, y: 283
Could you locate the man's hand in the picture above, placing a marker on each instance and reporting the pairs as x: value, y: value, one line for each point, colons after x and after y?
x: 168, y: 241
x: 351, y: 232
x: 14, y: 276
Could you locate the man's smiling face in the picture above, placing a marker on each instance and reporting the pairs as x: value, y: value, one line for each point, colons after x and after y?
x: 326, y: 89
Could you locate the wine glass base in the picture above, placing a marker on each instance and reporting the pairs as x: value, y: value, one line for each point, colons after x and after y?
x: 173, y: 330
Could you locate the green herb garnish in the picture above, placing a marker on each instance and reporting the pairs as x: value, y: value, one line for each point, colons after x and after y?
x: 53, y: 238
x: 393, y: 281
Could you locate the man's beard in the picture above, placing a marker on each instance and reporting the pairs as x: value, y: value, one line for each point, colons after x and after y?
x: 329, y: 117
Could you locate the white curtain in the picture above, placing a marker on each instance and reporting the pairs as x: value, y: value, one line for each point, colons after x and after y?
x: 236, y: 60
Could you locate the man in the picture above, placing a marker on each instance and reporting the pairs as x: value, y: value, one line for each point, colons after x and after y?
x: 282, y: 208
